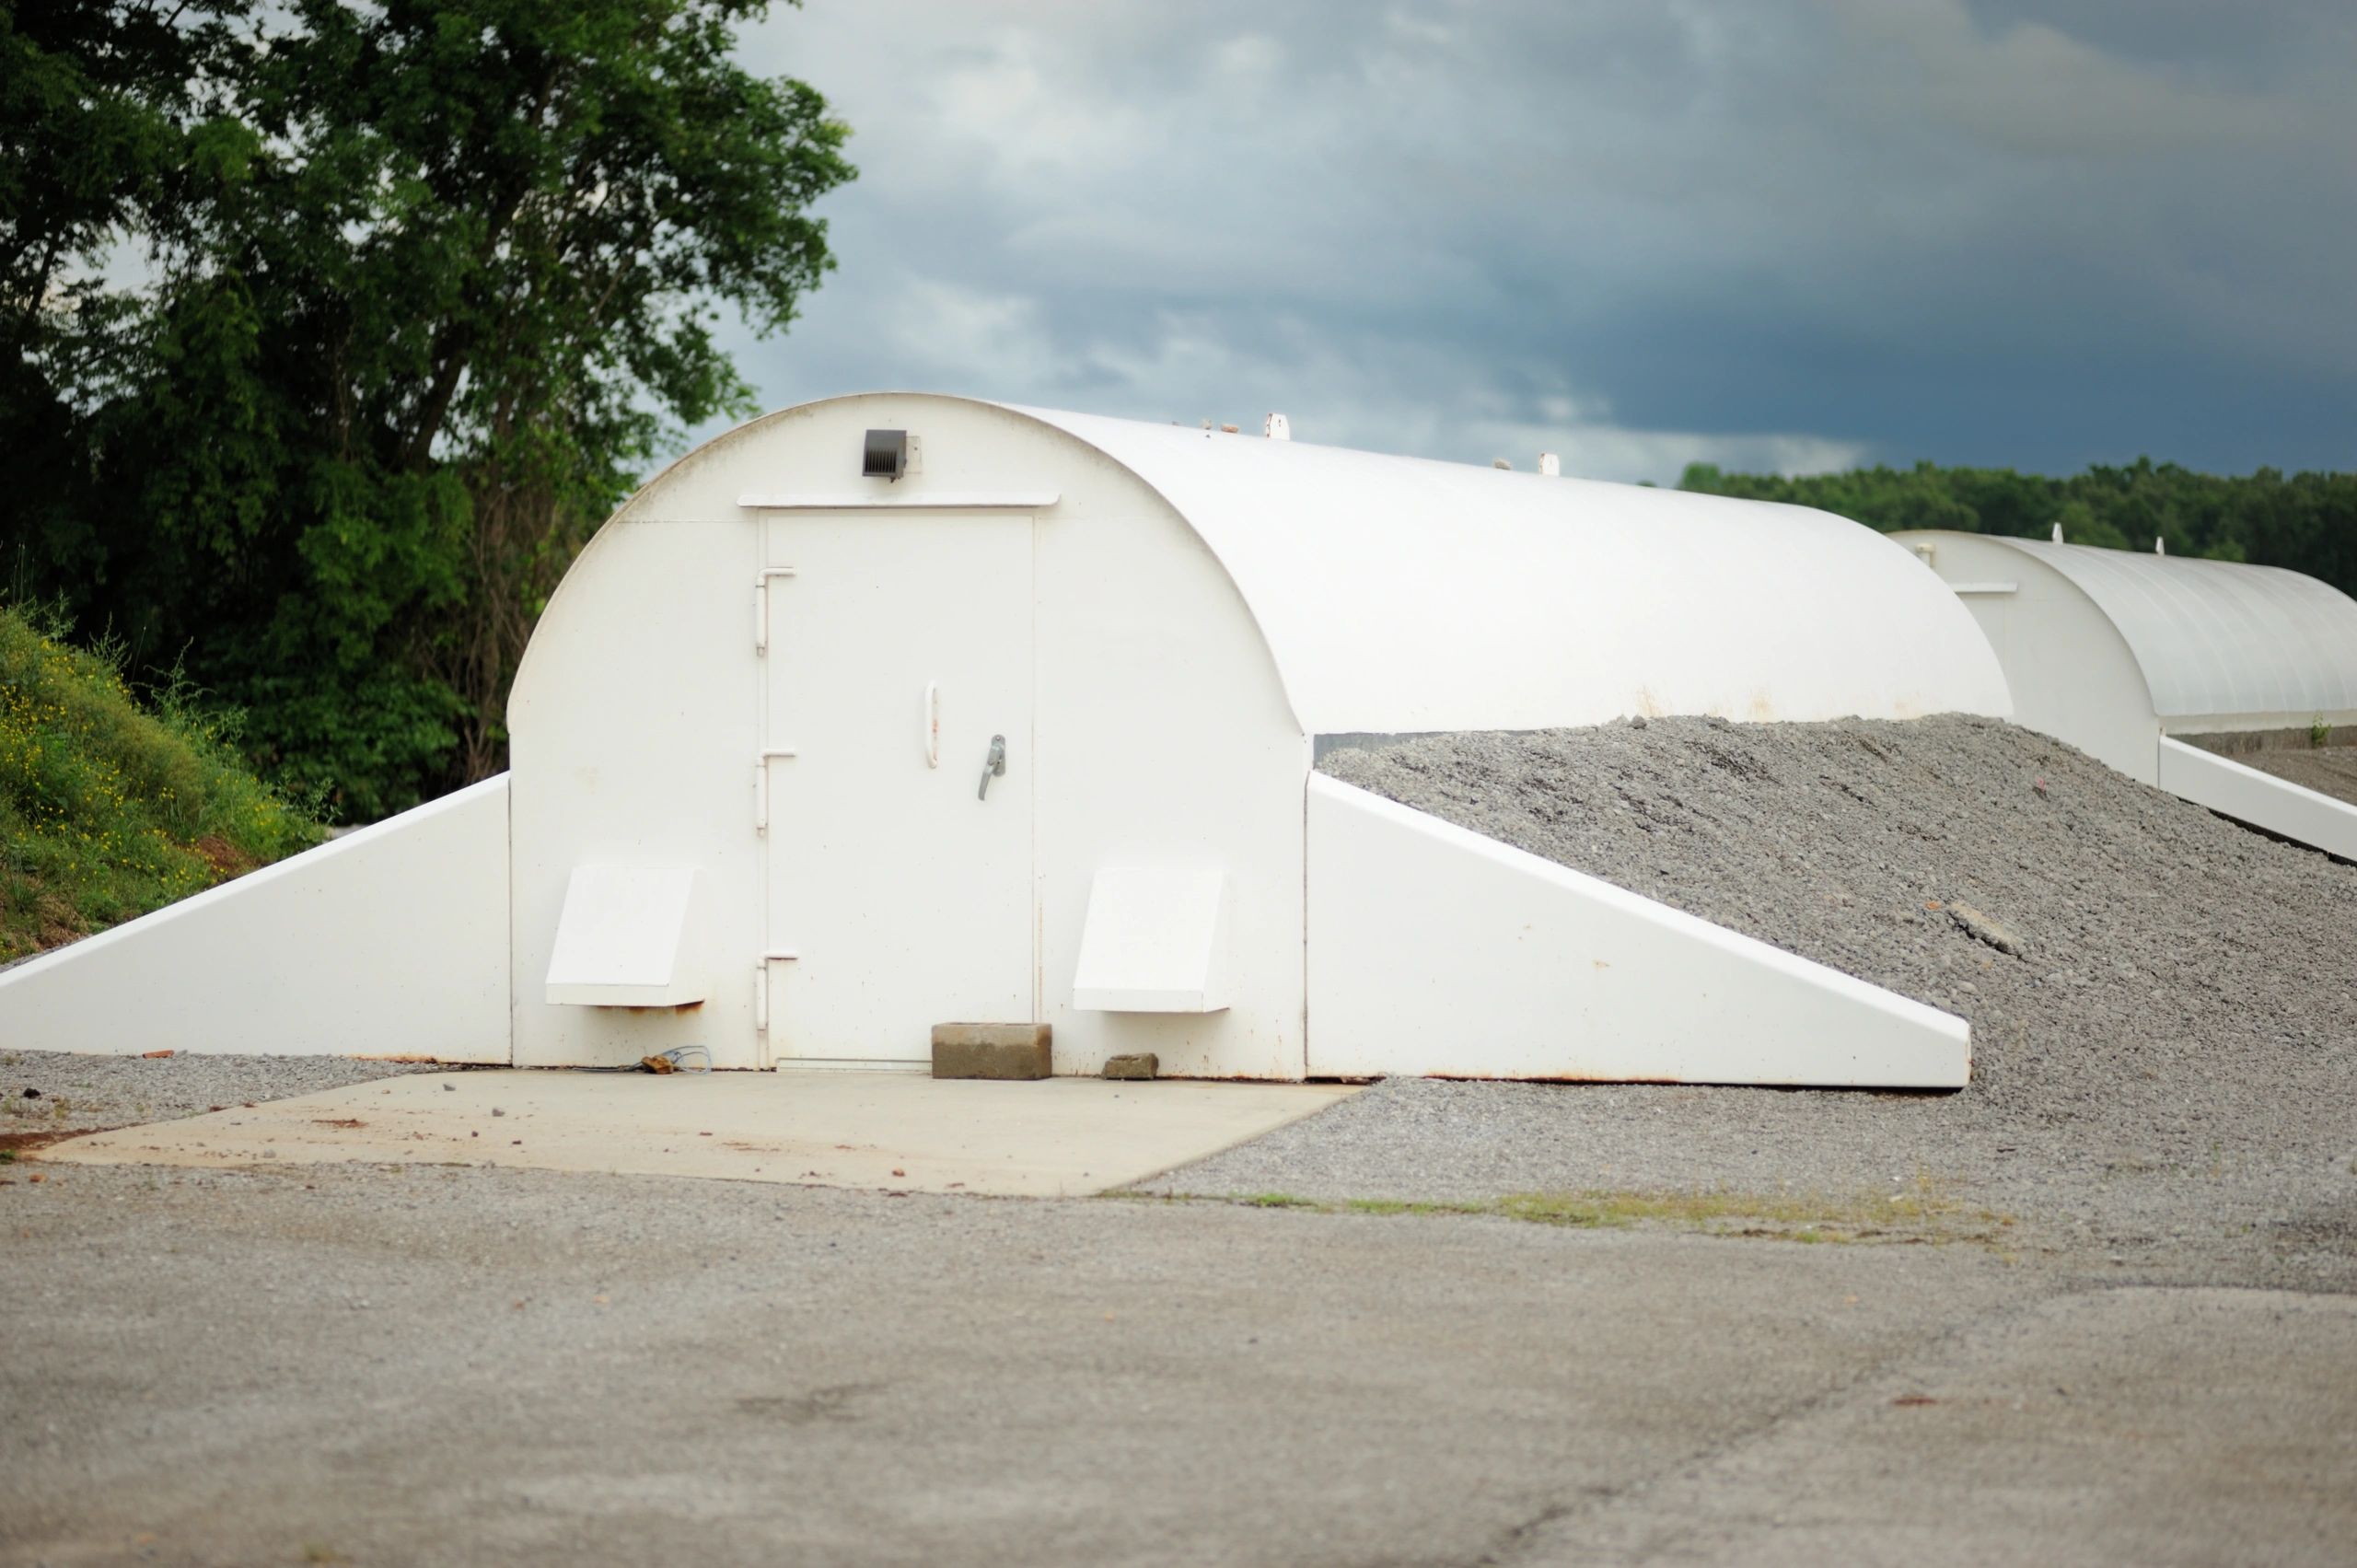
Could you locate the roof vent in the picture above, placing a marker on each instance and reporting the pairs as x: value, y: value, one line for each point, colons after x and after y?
x: 2058, y: 533
x: 1549, y: 464
x: 886, y: 455
x: 2160, y: 545
x: 1501, y: 463
x: 1277, y: 428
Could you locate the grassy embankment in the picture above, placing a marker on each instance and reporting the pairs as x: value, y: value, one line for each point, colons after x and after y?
x: 110, y: 807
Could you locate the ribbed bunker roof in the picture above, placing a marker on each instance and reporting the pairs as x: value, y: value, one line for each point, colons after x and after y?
x: 2218, y: 637
x: 1403, y: 595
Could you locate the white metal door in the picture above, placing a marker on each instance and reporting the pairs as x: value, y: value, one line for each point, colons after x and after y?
x: 899, y: 649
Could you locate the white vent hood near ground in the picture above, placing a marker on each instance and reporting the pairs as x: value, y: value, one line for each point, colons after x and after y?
x: 622, y: 939
x: 1155, y: 942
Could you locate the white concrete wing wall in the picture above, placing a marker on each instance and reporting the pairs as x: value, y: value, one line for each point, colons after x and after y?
x: 390, y: 941
x: 1436, y: 950
x: 2260, y: 799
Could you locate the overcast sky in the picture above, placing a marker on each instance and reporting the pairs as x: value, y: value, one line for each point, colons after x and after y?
x: 1790, y: 234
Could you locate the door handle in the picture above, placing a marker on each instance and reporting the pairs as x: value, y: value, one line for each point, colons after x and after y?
x: 993, y: 767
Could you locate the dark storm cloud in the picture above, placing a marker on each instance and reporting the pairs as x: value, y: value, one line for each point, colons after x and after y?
x: 1789, y: 234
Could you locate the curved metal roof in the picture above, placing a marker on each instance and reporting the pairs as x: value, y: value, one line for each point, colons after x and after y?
x: 2218, y: 637
x: 1401, y: 595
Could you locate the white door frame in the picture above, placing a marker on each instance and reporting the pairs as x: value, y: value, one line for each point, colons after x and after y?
x: 941, y: 603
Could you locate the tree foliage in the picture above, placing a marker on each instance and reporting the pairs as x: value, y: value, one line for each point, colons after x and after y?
x: 427, y: 281
x: 2307, y: 521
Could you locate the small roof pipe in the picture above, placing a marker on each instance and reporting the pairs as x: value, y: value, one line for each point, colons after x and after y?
x: 1549, y: 464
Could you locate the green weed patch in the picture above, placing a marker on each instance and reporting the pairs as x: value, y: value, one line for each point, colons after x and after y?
x: 110, y: 807
x: 1920, y: 1212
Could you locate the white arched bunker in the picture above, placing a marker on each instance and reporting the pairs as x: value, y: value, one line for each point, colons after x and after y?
x: 898, y: 710
x: 2154, y: 665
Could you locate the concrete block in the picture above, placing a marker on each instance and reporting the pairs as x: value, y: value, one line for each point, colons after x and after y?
x: 1135, y: 1065
x: 991, y: 1051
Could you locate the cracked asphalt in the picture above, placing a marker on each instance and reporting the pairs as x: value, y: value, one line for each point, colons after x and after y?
x: 365, y: 1365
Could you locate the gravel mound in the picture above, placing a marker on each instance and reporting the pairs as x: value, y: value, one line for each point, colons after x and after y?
x: 2179, y: 1006
x: 2172, y: 966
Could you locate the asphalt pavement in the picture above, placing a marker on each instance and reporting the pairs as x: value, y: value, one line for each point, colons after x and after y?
x: 445, y: 1365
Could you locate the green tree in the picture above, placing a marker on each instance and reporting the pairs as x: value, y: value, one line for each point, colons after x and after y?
x: 444, y: 276
x: 2307, y: 522
x: 98, y: 125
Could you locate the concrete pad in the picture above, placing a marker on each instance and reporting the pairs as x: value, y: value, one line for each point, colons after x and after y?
x: 898, y: 1131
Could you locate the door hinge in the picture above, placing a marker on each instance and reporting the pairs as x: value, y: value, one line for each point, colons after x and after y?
x: 761, y: 988
x: 761, y: 785
x: 762, y: 605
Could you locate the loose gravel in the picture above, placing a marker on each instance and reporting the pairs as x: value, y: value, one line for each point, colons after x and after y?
x: 46, y: 1092
x: 2171, y: 1053
x: 2177, y: 977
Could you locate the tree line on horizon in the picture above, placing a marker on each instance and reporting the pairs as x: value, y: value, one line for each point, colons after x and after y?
x: 330, y: 332
x: 2304, y: 521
